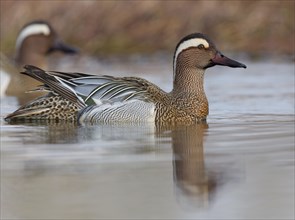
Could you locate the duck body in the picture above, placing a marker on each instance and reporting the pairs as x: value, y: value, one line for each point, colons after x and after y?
x: 92, y: 98
x: 35, y: 41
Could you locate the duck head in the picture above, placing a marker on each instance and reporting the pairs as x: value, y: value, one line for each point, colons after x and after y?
x: 198, y: 51
x: 38, y: 39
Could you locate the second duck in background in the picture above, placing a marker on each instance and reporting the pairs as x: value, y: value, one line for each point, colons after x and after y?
x: 35, y: 41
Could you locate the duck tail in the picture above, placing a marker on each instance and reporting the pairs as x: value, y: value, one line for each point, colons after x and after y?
x: 55, y: 84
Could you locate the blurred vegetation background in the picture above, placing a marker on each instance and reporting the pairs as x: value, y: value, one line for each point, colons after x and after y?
x: 103, y: 28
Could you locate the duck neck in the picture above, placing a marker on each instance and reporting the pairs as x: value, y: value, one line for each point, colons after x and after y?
x: 188, y: 81
x: 30, y: 56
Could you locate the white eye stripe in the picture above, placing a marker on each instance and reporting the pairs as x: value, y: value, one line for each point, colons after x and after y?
x: 195, y: 42
x: 32, y: 30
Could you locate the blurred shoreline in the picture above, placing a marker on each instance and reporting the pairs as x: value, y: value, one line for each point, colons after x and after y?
x: 254, y: 29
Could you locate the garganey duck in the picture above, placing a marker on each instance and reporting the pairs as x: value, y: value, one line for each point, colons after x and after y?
x: 35, y: 41
x: 91, y: 98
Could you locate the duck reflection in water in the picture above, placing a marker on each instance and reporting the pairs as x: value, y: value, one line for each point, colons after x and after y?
x: 194, y: 186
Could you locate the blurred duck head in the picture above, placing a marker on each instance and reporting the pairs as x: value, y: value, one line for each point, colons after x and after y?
x: 36, y: 40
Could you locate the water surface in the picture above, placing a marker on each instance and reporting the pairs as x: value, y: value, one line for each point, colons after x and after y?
x: 238, y: 165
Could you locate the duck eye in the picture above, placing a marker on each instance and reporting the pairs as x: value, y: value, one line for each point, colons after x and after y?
x: 201, y: 46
